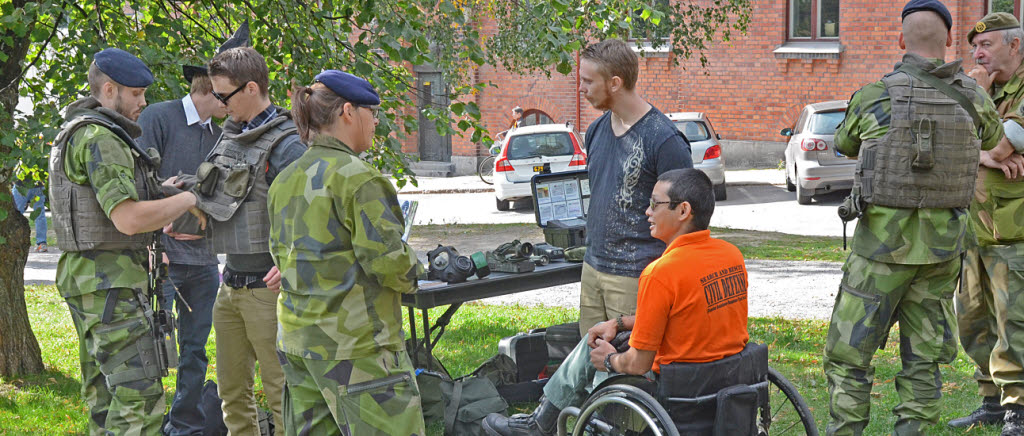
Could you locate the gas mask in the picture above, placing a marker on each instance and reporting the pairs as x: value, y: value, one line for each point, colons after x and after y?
x: 446, y: 265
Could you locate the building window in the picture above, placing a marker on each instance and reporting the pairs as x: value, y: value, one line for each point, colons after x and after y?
x: 815, y: 19
x: 1008, y: 6
x: 533, y: 117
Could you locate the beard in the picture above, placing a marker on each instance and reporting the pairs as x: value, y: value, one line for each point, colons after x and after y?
x: 601, y: 103
x: 131, y: 113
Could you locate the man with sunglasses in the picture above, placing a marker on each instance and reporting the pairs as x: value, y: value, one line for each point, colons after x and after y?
x: 258, y: 142
x: 691, y: 307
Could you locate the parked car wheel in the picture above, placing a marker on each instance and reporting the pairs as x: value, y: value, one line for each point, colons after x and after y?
x: 789, y: 183
x: 720, y: 192
x: 502, y: 205
x: 802, y: 194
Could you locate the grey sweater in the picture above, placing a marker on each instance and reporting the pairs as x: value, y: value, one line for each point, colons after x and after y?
x: 182, y: 148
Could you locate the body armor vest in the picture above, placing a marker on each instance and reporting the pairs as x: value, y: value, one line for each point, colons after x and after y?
x: 237, y: 199
x: 78, y: 218
x: 929, y: 157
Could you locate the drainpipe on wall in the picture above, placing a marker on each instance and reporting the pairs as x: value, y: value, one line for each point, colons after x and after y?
x: 578, y: 123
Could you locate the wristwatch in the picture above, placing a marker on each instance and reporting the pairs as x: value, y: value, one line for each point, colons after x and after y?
x: 619, y: 325
x: 608, y: 363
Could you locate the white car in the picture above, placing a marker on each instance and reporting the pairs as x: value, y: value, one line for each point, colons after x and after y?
x: 813, y: 165
x: 526, y: 151
x: 705, y: 150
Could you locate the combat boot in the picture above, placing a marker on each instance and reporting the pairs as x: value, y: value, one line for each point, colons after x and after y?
x: 541, y: 422
x: 1014, y: 420
x: 989, y: 413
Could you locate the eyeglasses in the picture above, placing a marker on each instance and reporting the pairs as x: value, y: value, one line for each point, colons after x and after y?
x: 224, y: 99
x: 654, y: 204
x: 374, y: 109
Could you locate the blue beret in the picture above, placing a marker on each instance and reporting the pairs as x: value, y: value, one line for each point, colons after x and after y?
x: 123, y: 68
x: 354, y: 89
x: 928, y: 5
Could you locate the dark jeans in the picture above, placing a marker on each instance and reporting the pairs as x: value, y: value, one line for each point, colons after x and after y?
x: 198, y: 285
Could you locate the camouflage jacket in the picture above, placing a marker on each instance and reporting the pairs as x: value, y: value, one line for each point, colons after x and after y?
x: 997, y: 211
x: 336, y: 235
x: 97, y: 157
x: 903, y: 235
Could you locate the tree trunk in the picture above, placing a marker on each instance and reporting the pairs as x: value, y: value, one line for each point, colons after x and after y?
x: 19, y: 350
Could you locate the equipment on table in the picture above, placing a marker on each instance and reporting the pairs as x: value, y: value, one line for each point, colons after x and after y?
x: 512, y: 257
x: 446, y: 265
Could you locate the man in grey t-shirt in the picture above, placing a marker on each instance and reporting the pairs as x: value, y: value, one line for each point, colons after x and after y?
x: 628, y: 148
x: 183, y: 131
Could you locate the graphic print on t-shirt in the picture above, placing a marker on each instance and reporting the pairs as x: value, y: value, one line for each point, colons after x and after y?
x: 630, y: 171
x: 724, y: 287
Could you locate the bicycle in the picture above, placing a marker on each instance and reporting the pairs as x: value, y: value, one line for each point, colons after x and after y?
x: 486, y: 170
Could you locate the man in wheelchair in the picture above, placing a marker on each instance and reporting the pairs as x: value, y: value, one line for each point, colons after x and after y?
x: 691, y: 307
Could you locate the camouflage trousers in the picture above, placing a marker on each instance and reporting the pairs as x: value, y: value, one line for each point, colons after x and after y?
x: 370, y: 396
x: 872, y: 296
x: 990, y: 310
x: 122, y: 398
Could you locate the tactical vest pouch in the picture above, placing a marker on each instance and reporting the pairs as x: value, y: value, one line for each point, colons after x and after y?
x: 924, y: 132
x: 237, y: 182
x: 206, y: 177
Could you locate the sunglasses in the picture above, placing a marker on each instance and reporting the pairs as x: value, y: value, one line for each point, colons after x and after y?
x: 224, y: 99
x: 654, y: 204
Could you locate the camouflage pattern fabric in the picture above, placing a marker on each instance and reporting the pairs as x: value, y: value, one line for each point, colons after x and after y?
x: 369, y: 396
x: 133, y: 407
x: 336, y: 235
x: 990, y: 306
x: 902, y: 235
x: 873, y: 295
x: 903, y: 268
x: 98, y: 158
x: 998, y: 208
x: 987, y: 304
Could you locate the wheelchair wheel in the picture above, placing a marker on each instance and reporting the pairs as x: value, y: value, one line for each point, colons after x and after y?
x: 787, y: 412
x: 623, y: 410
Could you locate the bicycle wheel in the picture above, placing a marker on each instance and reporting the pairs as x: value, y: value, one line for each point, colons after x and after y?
x: 786, y: 412
x: 486, y: 170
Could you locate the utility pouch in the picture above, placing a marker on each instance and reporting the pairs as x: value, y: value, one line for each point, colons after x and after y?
x: 236, y: 183
x: 206, y: 177
x: 924, y: 137
x: 736, y: 411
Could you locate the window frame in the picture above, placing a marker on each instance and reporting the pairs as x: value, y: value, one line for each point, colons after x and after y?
x: 816, y: 23
x: 1017, y: 12
x: 635, y: 16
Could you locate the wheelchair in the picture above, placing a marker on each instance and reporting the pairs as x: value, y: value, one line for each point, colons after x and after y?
x: 737, y: 395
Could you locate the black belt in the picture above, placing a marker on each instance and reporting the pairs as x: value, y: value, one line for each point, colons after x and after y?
x: 243, y: 280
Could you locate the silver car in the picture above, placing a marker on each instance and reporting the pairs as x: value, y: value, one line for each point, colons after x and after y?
x: 813, y: 165
x: 704, y: 147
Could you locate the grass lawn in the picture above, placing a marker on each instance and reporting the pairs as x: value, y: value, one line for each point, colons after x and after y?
x: 50, y: 404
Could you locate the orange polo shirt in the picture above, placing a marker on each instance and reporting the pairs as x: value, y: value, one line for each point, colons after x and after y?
x: 692, y: 302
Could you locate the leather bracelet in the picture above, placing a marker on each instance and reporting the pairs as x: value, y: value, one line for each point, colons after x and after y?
x: 619, y: 325
x: 608, y: 363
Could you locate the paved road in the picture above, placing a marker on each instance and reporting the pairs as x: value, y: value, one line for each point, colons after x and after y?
x: 753, y: 207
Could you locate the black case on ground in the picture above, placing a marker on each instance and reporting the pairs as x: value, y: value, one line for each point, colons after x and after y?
x: 529, y: 351
x: 561, y: 339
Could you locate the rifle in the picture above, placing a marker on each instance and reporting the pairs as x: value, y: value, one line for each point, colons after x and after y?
x: 163, y: 324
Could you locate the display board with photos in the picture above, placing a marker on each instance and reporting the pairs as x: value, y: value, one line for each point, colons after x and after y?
x: 561, y: 196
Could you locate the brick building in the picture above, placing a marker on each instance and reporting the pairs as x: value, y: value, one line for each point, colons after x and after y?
x: 752, y: 87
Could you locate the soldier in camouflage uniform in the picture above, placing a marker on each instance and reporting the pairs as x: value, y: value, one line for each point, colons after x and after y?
x: 336, y: 230
x: 103, y: 194
x: 905, y: 259
x: 990, y: 318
